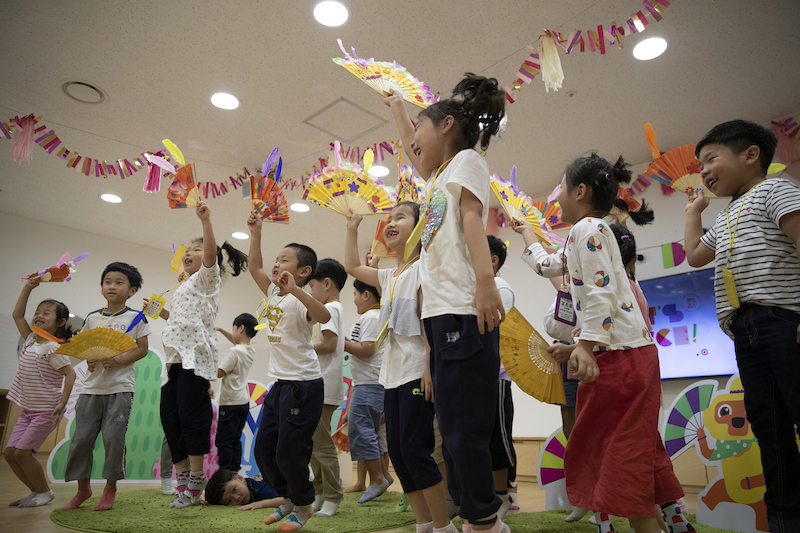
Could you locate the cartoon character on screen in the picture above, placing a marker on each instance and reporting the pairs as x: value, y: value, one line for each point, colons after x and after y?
x: 737, y: 453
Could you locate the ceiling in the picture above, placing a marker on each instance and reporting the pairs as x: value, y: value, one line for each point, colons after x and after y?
x: 159, y: 61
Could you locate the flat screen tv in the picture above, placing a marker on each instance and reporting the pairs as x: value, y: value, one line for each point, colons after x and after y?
x: 684, y: 324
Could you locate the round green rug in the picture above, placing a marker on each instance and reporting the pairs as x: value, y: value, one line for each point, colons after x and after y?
x: 148, y: 511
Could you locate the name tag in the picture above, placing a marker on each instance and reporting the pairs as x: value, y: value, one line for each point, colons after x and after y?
x: 565, y: 310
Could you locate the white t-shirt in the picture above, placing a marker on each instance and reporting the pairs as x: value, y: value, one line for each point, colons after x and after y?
x: 236, y: 365
x: 122, y: 379
x: 404, y: 346
x: 37, y: 385
x: 448, y: 279
x: 330, y: 364
x: 190, y: 336
x: 507, y: 296
x: 292, y: 355
x: 764, y: 259
x: 366, y: 371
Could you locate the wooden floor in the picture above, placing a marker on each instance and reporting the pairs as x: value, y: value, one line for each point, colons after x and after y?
x: 37, y: 520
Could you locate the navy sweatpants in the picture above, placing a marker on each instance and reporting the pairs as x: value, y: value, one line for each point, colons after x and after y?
x: 232, y: 419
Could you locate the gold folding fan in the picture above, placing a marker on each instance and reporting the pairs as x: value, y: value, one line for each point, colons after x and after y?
x: 379, y: 247
x: 516, y: 203
x: 524, y: 354
x: 98, y: 343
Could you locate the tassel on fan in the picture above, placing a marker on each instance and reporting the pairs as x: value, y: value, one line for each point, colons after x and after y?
x: 98, y: 343
x: 183, y: 192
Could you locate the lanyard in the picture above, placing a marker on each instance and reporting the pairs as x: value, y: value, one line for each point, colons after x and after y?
x: 732, y: 235
x: 433, y: 181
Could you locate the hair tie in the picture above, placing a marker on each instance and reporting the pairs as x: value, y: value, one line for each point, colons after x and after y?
x: 605, y: 179
x: 623, y: 237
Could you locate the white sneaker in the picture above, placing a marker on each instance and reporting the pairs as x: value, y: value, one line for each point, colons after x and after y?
x: 166, y: 486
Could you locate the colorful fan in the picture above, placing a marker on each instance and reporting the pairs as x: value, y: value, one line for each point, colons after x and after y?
x: 379, y: 247
x: 98, y: 343
x: 679, y: 169
x: 61, y: 271
x: 340, y: 439
x: 686, y: 416
x: 177, y: 258
x: 516, y: 203
x: 524, y: 354
x: 551, y: 459
x: 183, y: 192
x: 344, y: 186
x: 269, y: 203
x: 384, y: 77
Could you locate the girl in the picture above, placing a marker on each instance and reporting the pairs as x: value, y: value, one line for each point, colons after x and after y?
x: 37, y: 390
x: 190, y: 346
x: 462, y: 308
x: 627, y: 471
x: 404, y: 372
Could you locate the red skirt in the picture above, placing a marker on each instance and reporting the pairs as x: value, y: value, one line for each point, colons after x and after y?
x: 615, y: 460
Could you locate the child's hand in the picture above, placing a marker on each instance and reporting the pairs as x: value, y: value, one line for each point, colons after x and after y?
x: 560, y: 352
x: 584, y: 361
x: 110, y: 363
x: 145, y: 301
x: 394, y: 97
x: 59, y: 409
x: 250, y: 507
x: 211, y: 393
x: 490, y: 307
x: 253, y: 223
x: 697, y: 202
x: 372, y: 260
x: 33, y: 282
x: 202, y: 210
x: 91, y: 364
x: 353, y: 220
x: 520, y: 226
x: 285, y: 281
x: 426, y: 385
x: 182, y: 276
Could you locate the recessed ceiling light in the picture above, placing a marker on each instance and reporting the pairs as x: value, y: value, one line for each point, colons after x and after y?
x: 649, y: 48
x: 330, y: 13
x: 378, y: 171
x: 299, y: 207
x: 83, y: 92
x: 110, y: 198
x: 239, y: 235
x: 72, y: 315
x: 224, y: 101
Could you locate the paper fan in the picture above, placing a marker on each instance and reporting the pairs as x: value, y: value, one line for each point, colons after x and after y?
x: 43, y: 334
x: 384, y: 77
x: 379, y: 247
x: 61, y: 271
x: 340, y: 439
x: 98, y: 343
x: 516, y: 204
x: 524, y: 354
x: 686, y: 417
x: 177, y: 258
x: 679, y: 169
x: 183, y: 192
x: 551, y: 460
x: 269, y: 203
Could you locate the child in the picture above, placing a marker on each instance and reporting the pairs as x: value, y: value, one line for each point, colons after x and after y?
x: 366, y: 400
x: 292, y: 409
x: 325, y: 283
x: 756, y: 240
x: 615, y: 357
x: 234, y: 396
x: 107, y: 397
x: 190, y: 347
x: 404, y: 370
x: 36, y: 389
x: 226, y: 487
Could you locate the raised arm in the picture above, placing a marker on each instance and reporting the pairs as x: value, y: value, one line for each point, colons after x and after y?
x: 352, y: 263
x: 209, y: 241
x: 316, y: 309
x: 406, y: 129
x: 697, y: 253
x: 256, y: 262
x: 227, y: 334
x: 19, y: 309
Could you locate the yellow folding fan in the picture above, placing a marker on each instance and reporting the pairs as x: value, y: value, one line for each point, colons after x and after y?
x: 516, y: 204
x: 98, y: 343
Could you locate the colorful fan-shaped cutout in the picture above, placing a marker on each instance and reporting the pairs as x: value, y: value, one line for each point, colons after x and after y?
x: 61, y: 271
x: 379, y: 247
x: 385, y: 77
x: 269, y: 203
x: 551, y: 459
x: 679, y: 169
x: 686, y: 416
x: 183, y: 191
x: 98, y: 343
x: 257, y: 392
x: 517, y: 204
x: 340, y: 438
x: 524, y: 354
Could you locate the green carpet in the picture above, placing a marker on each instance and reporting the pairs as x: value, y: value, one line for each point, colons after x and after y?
x: 148, y: 511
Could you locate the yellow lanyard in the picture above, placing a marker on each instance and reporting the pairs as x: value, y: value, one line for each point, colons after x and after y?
x: 102, y: 323
x: 732, y: 235
x: 385, y: 327
x: 433, y: 181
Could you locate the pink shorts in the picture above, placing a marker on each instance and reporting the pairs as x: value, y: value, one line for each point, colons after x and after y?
x: 32, y: 429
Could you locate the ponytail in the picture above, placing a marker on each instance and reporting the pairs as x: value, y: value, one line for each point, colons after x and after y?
x: 600, y: 176
x: 643, y: 215
x: 62, y: 313
x: 626, y: 243
x: 236, y: 259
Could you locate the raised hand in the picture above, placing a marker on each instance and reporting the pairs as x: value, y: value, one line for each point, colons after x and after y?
x: 285, y: 281
x: 353, y: 220
x: 253, y: 223
x: 202, y: 210
x: 395, y: 96
x: 697, y: 201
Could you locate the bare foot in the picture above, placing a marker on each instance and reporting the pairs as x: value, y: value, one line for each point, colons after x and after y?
x: 356, y: 488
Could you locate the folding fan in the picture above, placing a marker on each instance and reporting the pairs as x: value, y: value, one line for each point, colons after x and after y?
x: 679, y: 169
x: 183, y: 192
x: 61, y: 271
x: 340, y: 439
x: 524, y: 354
x: 98, y: 343
x: 516, y: 203
x: 379, y: 247
x: 269, y: 203
x: 409, y: 185
x: 384, y: 77
x: 177, y: 258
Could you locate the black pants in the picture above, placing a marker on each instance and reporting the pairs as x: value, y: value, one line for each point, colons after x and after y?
x: 229, y: 435
x: 502, y: 444
x: 186, y: 413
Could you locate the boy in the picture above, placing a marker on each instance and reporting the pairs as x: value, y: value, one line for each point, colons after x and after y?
x: 234, y: 396
x: 756, y: 284
x: 326, y: 282
x: 226, y: 487
x: 293, y: 406
x: 107, y: 397
x: 366, y: 401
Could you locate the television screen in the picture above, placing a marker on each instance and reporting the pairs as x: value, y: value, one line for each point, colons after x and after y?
x: 684, y: 324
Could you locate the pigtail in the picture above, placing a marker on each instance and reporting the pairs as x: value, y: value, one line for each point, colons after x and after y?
x: 626, y: 243
x: 642, y: 216
x: 620, y: 171
x: 62, y: 313
x: 236, y: 259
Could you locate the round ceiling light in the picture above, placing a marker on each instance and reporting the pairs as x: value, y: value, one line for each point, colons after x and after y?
x: 239, y: 235
x: 224, y: 101
x: 83, y: 92
x: 299, y: 207
x: 649, y: 48
x: 378, y: 171
x: 110, y: 198
x: 330, y: 13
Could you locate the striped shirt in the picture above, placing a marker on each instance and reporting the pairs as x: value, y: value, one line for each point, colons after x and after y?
x: 763, y: 259
x: 37, y: 385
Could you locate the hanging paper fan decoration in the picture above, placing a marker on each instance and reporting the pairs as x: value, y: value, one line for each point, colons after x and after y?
x: 61, y: 271
x: 686, y: 417
x: 183, y: 192
x: 344, y: 186
x: 524, y: 354
x: 551, y: 460
x: 341, y: 440
x: 384, y: 77
x: 516, y: 204
x: 379, y: 247
x: 98, y: 343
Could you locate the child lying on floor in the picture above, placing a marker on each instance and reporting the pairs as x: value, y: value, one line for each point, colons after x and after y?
x: 229, y: 488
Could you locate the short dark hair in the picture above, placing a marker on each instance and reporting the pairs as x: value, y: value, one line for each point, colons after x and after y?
x: 215, y: 488
x: 130, y: 272
x: 249, y: 322
x: 414, y: 206
x: 362, y: 287
x: 330, y: 268
x: 306, y: 256
x: 62, y: 313
x: 498, y: 248
x: 739, y: 135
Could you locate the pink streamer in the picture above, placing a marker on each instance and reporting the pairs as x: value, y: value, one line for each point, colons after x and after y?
x: 22, y: 145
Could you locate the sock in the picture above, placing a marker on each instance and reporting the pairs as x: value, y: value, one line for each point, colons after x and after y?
x: 74, y: 503
x: 15, y: 503
x: 449, y: 528
x: 373, y: 491
x: 425, y: 528
x: 452, y: 509
x: 514, y: 501
x: 328, y: 509
x: 577, y: 514
x: 402, y: 505
x: 297, y: 518
x: 390, y: 479
x: 675, y: 519
x: 603, y: 522
x: 505, y: 504
x: 319, y: 499
x: 281, y: 512
x: 183, y: 478
x: 166, y: 486
x: 41, y: 498
x: 106, y: 500
x: 197, y: 483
